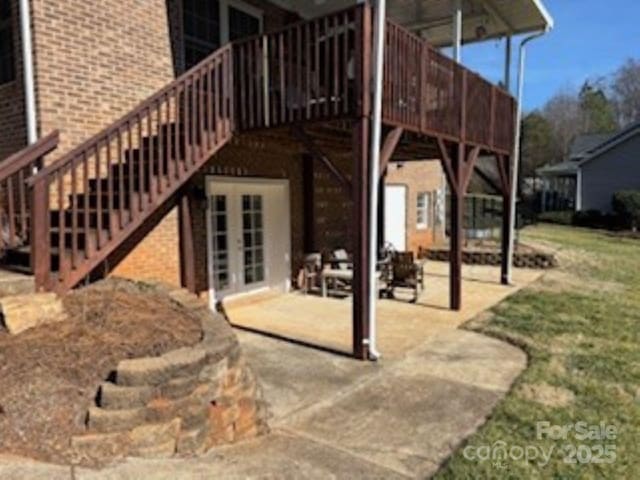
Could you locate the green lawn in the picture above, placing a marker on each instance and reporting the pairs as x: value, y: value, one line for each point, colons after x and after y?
x: 580, y: 326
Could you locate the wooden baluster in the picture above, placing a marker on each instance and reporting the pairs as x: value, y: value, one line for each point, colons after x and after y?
x: 141, y: 186
x: 148, y: 151
x: 111, y: 217
x: 212, y: 103
x: 88, y: 250
x: 22, y: 195
x: 131, y: 167
x: 98, y: 179
x: 74, y: 215
x: 345, y: 66
x: 326, y: 63
x: 171, y: 127
x: 13, y: 240
x: 336, y: 66
x: 162, y: 132
x: 63, y: 267
x: 307, y: 61
x: 193, y: 127
x: 299, y: 85
x: 202, y: 103
x: 281, y: 76
x: 121, y: 193
x: 217, y: 96
x: 258, y: 66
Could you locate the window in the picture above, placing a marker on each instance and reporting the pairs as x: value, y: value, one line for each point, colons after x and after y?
x: 201, y: 30
x: 424, y: 205
x: 7, y: 70
x: 210, y: 23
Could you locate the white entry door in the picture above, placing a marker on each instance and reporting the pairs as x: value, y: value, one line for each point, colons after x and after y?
x: 395, y: 216
x: 249, y: 236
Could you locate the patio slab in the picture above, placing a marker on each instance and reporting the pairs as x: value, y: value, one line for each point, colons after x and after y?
x: 326, y: 322
x: 335, y: 417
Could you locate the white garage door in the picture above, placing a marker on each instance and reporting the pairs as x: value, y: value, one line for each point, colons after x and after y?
x: 395, y: 216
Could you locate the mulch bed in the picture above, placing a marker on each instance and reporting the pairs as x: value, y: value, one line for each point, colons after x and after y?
x: 49, y: 375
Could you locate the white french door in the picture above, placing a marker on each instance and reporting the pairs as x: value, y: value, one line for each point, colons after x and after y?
x: 249, y: 246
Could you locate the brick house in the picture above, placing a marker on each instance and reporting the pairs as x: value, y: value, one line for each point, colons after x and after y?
x: 222, y: 178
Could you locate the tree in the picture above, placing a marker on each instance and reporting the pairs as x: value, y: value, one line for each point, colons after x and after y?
x: 597, y: 112
x: 562, y: 111
x: 626, y: 91
x: 538, y: 143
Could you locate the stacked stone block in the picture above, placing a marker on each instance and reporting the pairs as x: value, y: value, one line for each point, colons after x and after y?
x: 181, y: 403
x: 534, y: 260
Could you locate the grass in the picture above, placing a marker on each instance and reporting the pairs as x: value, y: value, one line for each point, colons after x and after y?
x: 580, y: 326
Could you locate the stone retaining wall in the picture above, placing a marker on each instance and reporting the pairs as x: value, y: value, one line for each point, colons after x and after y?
x: 535, y: 260
x: 180, y: 403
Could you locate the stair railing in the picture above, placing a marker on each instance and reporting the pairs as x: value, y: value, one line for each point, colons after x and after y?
x: 15, y: 200
x: 96, y: 195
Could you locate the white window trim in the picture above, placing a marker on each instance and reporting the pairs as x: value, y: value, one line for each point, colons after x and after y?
x: 239, y: 5
x: 426, y: 209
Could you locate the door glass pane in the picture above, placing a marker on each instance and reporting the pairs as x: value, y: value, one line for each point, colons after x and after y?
x: 219, y: 236
x: 253, y: 245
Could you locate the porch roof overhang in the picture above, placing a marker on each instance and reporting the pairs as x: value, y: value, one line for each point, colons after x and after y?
x: 564, y: 169
x: 481, y: 19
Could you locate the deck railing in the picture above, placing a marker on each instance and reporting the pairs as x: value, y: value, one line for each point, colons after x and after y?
x: 306, y: 71
x: 15, y: 200
x: 427, y: 92
x: 311, y: 70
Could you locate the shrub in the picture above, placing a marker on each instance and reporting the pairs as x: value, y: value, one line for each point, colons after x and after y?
x: 626, y: 204
x: 561, y: 217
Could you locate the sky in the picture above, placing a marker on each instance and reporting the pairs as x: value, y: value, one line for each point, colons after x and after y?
x: 591, y: 38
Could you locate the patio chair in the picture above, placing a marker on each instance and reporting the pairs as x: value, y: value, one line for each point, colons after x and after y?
x: 405, y: 273
x: 339, y: 271
x: 311, y: 271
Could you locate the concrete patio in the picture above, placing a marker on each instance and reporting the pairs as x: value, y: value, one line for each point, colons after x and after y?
x: 334, y: 417
x: 326, y: 322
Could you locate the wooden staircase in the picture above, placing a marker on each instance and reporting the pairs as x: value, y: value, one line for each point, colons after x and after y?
x: 82, y: 207
x: 65, y: 221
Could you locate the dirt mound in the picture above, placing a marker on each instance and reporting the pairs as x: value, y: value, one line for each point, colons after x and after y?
x: 49, y: 375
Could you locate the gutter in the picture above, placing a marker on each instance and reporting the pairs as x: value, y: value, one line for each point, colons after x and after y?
x: 29, y: 84
x: 374, y: 179
x: 515, y: 167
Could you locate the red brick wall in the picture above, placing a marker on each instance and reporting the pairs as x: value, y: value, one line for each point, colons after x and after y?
x: 418, y: 176
x: 13, y: 133
x: 95, y: 61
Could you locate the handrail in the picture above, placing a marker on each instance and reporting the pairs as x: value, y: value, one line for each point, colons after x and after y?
x: 114, y: 126
x: 27, y: 155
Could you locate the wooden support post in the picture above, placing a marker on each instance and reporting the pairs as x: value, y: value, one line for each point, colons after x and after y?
x: 456, y: 234
x: 361, y: 228
x: 308, y: 195
x: 187, y: 246
x: 40, y: 233
x: 360, y: 231
x: 504, y: 168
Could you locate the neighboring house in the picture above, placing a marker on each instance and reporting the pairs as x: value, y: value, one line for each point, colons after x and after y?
x: 597, y: 168
x: 223, y: 178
